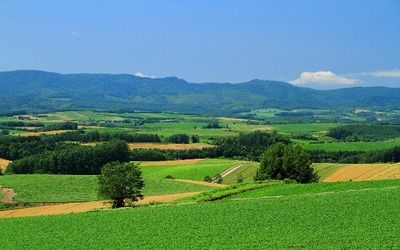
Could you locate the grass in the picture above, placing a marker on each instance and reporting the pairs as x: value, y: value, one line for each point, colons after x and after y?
x: 344, y: 220
x: 353, y: 146
x: 73, y: 188
x: 228, y: 191
x: 315, y: 188
x: 300, y: 128
x: 246, y: 173
x: 51, y: 188
x: 326, y: 169
x: 196, y: 171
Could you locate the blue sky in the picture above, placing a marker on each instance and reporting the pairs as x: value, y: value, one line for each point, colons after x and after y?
x: 310, y: 43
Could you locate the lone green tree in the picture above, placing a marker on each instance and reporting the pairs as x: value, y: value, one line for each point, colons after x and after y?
x: 119, y: 182
x: 282, y: 161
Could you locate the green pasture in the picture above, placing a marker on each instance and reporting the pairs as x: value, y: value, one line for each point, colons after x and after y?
x: 74, y: 188
x: 197, y: 171
x: 320, y: 218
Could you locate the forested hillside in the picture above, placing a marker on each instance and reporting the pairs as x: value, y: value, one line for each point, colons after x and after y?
x: 44, y: 91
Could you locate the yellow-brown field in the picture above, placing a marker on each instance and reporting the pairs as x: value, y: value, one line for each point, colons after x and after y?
x: 3, y: 164
x: 170, y: 163
x: 364, y: 172
x: 173, y: 146
x: 53, y: 132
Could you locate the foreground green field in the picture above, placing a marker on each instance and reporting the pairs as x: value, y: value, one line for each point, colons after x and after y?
x: 73, y: 188
x: 363, y: 218
x: 287, y: 190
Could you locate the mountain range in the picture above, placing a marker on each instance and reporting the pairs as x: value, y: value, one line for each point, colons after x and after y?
x: 39, y: 91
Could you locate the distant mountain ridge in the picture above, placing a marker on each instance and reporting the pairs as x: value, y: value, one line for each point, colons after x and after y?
x: 32, y: 90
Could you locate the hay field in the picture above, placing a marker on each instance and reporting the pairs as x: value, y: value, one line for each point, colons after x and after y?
x: 364, y: 172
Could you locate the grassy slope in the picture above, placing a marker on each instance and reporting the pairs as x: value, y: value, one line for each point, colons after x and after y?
x: 197, y: 171
x: 69, y: 188
x: 247, y: 173
x: 363, y: 219
x: 307, y: 189
x: 326, y: 169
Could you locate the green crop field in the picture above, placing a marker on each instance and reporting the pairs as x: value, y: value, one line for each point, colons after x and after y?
x: 365, y: 218
x: 299, y: 128
x: 196, y: 171
x: 315, y: 188
x: 71, y: 188
x: 352, y: 146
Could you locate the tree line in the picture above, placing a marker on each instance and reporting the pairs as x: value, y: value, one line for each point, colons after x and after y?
x: 247, y: 146
x: 364, y: 132
x: 386, y: 155
x: 74, y: 159
x: 95, y: 136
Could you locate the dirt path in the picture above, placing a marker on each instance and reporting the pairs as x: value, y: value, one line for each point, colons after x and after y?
x: 204, y: 183
x: 9, y: 195
x: 82, y: 206
x: 231, y: 170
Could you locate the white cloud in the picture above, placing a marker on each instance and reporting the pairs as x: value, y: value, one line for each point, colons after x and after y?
x: 323, y: 78
x: 140, y: 74
x: 394, y: 73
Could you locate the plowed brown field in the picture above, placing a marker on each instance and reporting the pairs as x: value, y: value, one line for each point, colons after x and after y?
x: 364, y: 172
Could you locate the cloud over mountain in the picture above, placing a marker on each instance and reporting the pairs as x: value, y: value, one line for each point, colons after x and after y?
x: 323, y: 78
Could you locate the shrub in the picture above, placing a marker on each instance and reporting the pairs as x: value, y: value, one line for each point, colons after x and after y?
x: 208, y: 178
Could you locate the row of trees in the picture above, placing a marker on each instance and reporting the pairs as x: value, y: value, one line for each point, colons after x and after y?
x: 73, y: 159
x: 365, y: 132
x: 95, y: 136
x: 13, y: 148
x: 248, y: 146
x: 387, y: 155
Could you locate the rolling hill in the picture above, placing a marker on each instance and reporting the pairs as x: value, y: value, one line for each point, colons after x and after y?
x: 31, y: 90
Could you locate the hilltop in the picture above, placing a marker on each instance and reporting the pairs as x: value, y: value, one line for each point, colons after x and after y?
x: 31, y: 90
